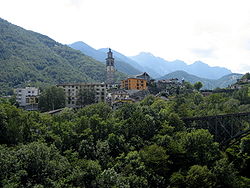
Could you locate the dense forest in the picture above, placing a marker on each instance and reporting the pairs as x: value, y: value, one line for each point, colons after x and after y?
x: 29, y: 58
x: 144, y: 144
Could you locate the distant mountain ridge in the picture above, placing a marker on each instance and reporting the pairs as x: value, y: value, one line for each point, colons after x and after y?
x: 100, y: 55
x: 155, y: 66
x: 222, y: 82
x: 163, y: 67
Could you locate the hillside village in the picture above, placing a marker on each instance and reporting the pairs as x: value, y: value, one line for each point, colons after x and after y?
x: 167, y: 107
x: 132, y: 89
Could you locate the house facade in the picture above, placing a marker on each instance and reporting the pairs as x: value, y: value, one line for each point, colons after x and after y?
x: 134, y: 84
x: 27, y: 97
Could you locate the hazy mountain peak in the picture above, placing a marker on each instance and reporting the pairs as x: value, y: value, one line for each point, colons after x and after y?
x: 200, y: 64
x: 79, y: 42
x: 81, y: 45
x: 145, y: 54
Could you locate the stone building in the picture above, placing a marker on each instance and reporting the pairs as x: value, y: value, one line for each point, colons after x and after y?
x: 72, y: 90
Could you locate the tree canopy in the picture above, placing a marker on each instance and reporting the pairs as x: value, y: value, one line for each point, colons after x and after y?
x: 145, y: 144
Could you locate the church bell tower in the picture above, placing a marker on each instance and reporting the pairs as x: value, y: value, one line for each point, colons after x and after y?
x: 110, y: 68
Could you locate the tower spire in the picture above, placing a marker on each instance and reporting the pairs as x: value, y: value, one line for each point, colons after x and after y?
x: 110, y: 67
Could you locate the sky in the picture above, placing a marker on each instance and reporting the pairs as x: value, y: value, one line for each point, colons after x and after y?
x: 216, y: 32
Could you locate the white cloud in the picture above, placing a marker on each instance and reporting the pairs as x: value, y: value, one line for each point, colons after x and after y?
x: 214, y: 31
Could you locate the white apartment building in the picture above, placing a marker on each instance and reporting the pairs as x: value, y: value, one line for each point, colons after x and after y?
x: 71, y: 91
x: 27, y: 97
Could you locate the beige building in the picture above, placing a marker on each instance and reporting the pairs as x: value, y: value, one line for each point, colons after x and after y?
x: 71, y: 91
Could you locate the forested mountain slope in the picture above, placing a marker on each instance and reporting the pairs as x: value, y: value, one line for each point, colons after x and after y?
x: 27, y: 57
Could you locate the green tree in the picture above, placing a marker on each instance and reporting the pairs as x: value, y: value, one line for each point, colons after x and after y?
x: 225, y: 174
x: 34, y: 164
x: 198, y: 86
x: 85, y: 97
x: 51, y: 98
x: 246, y: 76
x: 101, y: 109
x: 242, y: 95
x: 84, y: 173
x: 177, y: 180
x: 156, y: 158
x: 199, y: 147
x: 199, y: 176
x: 133, y: 169
x: 15, y: 125
x: 110, y: 178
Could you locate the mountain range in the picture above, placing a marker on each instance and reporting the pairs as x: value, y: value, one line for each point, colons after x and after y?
x: 155, y: 66
x: 162, y: 67
x: 158, y: 68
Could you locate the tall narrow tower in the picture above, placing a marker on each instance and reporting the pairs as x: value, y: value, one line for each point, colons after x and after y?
x: 110, y: 68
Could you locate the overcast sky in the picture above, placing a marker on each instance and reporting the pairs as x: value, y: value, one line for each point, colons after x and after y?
x: 216, y: 32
